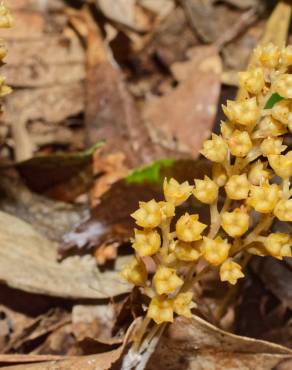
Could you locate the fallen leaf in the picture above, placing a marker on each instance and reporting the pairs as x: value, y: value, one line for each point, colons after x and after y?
x: 40, y: 272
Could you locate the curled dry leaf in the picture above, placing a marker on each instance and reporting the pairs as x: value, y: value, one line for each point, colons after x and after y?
x: 195, y: 344
x: 28, y: 261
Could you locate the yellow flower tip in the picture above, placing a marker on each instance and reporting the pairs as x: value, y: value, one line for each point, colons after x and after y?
x: 258, y: 173
x: 252, y: 80
x: 237, y: 187
x: 239, y: 143
x: 215, y: 251
x: 175, y: 192
x: 135, y: 272
x: 281, y: 164
x: 283, y: 210
x: 182, y: 304
x: 206, y: 190
x: 269, y: 126
x: 215, y: 149
x: 263, y: 198
x: 166, y: 281
x: 286, y: 56
x: 236, y: 222
x: 167, y: 210
x: 219, y: 174
x: 244, y: 112
x: 278, y: 245
x: 281, y: 112
x: 189, y: 228
x: 160, y: 310
x: 6, y: 19
x: 268, y: 55
x: 271, y: 146
x: 283, y: 85
x: 146, y: 242
x: 186, y: 251
x: 148, y: 215
x: 230, y: 271
x: 226, y: 128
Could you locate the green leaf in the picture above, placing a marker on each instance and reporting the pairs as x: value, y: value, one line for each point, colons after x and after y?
x: 275, y: 98
x: 151, y: 173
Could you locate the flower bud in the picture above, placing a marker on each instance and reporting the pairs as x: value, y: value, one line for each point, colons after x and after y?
x: 252, y: 80
x: 230, y: 271
x: 281, y: 164
x: 215, y: 251
x: 6, y: 19
x: 268, y: 55
x: 239, y: 143
x: 186, y: 251
x: 258, y: 173
x: 283, y: 210
x: 269, y: 126
x: 206, y: 190
x: 216, y: 149
x: 244, y: 112
x: 237, y: 187
x: 283, y: 85
x: 160, y: 310
x: 182, y: 304
x: 166, y: 281
x: 281, y: 111
x: 286, y: 56
x: 146, y: 242
x: 167, y: 210
x: 176, y: 193
x: 235, y: 223
x: 278, y: 245
x: 188, y: 228
x: 148, y: 215
x: 272, y: 146
x: 227, y: 129
x: 263, y: 198
x: 135, y: 272
x: 219, y: 174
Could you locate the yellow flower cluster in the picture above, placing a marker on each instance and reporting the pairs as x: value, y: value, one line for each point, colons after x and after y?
x: 251, y: 168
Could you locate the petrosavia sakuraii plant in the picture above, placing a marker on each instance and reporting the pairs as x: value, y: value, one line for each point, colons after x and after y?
x: 251, y: 164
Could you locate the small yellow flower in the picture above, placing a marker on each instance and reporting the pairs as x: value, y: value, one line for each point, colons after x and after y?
x: 244, y: 112
x: 272, y: 146
x: 175, y: 192
x: 215, y: 251
x: 148, y: 215
x: 281, y: 164
x: 167, y: 210
x: 258, y: 173
x: 269, y: 126
x: 252, y: 80
x: 283, y: 85
x: 283, y: 210
x: 189, y: 228
x: 216, y: 149
x: 230, y: 271
x: 281, y: 111
x: 6, y: 19
x: 146, y: 242
x: 206, y: 190
x: 186, y: 251
x: 263, y: 198
x: 219, y: 174
x: 182, y: 304
x: 278, y: 245
x: 135, y: 272
x: 235, y: 223
x: 239, y: 143
x: 227, y: 128
x: 286, y: 56
x: 160, y: 310
x: 237, y: 187
x: 166, y: 281
x: 268, y: 55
